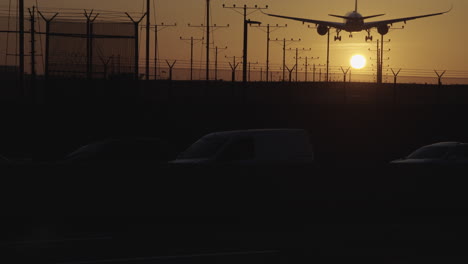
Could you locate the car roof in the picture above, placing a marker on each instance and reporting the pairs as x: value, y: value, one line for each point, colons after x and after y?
x: 250, y: 132
x: 447, y: 144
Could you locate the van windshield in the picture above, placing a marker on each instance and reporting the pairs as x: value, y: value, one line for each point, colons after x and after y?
x: 204, y: 148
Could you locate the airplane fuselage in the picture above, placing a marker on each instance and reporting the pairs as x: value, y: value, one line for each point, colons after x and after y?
x: 354, y: 22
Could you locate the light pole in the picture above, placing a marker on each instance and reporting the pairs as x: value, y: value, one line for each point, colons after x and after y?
x: 208, y: 28
x: 246, y: 22
x: 268, y: 31
x: 191, y: 53
x: 158, y: 28
x: 307, y: 67
x: 285, y: 41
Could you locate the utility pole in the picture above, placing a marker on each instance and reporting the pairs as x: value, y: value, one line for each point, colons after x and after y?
x: 246, y: 22
x: 285, y: 41
x: 21, y: 44
x: 216, y: 60
x: 269, y: 31
x: 328, y: 55
x: 208, y: 40
x: 148, y: 27
x: 33, y: 43
x: 157, y: 28
x: 191, y: 53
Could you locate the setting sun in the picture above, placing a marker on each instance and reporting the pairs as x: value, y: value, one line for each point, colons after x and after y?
x: 358, y: 62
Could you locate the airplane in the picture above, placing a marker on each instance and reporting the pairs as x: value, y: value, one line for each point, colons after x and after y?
x: 354, y: 22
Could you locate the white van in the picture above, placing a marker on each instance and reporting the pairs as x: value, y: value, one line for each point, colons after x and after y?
x: 259, y: 146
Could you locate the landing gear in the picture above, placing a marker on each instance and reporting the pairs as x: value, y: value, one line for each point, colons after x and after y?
x: 369, y: 37
x: 350, y: 35
x: 338, y: 37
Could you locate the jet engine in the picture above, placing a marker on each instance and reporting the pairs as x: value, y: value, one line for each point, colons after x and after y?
x: 322, y: 30
x: 382, y: 29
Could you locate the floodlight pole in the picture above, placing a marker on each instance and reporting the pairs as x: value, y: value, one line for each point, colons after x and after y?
x: 244, y: 65
x: 246, y: 22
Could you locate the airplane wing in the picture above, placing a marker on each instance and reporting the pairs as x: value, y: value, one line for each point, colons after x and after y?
x: 317, y: 22
x: 369, y: 25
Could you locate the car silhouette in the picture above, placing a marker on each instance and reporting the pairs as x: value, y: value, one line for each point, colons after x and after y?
x: 123, y: 149
x: 438, y: 154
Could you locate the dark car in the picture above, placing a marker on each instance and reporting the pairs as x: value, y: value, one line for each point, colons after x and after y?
x: 119, y: 150
x: 443, y: 155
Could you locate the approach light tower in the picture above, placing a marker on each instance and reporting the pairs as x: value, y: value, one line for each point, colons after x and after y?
x: 268, y: 31
x: 208, y: 27
x: 285, y: 43
x: 246, y: 22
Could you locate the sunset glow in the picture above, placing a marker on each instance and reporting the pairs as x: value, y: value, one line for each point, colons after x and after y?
x: 358, y: 62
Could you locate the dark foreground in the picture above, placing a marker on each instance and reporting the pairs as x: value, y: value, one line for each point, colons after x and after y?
x: 122, y: 214
x: 352, y: 209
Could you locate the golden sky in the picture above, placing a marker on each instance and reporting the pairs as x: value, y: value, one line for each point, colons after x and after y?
x: 428, y: 43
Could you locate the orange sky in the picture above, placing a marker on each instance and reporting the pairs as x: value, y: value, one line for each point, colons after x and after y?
x: 429, y: 43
